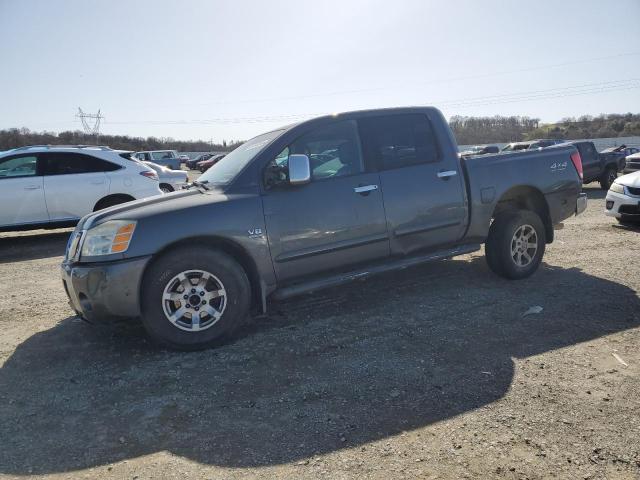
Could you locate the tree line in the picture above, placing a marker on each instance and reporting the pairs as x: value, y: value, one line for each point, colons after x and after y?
x: 499, y: 129
x: 468, y: 131
x: 20, y: 137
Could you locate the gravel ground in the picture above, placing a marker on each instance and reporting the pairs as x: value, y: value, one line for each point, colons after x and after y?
x: 431, y: 372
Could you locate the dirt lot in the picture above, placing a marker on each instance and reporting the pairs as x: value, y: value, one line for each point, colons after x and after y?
x: 432, y: 372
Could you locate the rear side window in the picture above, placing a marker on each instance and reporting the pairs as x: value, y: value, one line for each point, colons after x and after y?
x: 22, y: 166
x: 69, y: 163
x: 162, y: 155
x: 396, y: 141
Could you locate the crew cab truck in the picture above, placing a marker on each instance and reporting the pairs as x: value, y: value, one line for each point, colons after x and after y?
x: 316, y: 204
x: 598, y: 167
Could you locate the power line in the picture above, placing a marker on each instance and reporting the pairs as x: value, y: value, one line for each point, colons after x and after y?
x: 495, y: 73
x: 584, y: 89
x: 90, y: 122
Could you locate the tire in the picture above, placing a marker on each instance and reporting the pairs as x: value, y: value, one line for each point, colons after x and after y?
x: 226, y: 276
x: 166, y: 188
x: 608, y: 177
x: 111, y: 201
x: 503, y: 239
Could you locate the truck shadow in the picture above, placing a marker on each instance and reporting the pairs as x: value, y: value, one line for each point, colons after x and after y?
x: 338, y: 369
x: 30, y: 246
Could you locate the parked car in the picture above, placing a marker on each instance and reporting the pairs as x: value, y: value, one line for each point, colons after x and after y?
x: 183, y: 158
x: 170, y: 180
x: 207, y: 164
x: 50, y: 187
x: 192, y: 163
x: 623, y: 199
x: 531, y: 144
x: 596, y: 166
x: 632, y: 163
x: 279, y: 216
x: 167, y: 158
x: 480, y: 150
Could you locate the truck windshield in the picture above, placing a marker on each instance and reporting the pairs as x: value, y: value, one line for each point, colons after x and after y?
x: 224, y: 171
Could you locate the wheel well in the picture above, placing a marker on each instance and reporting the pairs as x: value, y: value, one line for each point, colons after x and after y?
x: 235, y: 251
x: 526, y: 198
x: 116, y: 196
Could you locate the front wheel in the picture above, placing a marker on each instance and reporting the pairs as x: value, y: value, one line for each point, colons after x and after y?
x: 515, y: 244
x: 193, y: 297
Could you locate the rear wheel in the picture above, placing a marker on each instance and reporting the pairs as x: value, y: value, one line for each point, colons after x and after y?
x: 111, y: 201
x: 515, y: 244
x: 166, y: 188
x: 194, y: 297
x: 608, y: 177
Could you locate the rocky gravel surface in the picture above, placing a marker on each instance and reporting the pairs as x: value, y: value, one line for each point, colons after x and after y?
x: 431, y: 372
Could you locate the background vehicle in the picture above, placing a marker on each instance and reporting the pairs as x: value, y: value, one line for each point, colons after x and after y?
x: 192, y: 163
x: 183, y: 158
x: 207, y: 164
x: 596, y: 166
x: 169, y: 180
x: 532, y: 144
x: 623, y: 199
x: 316, y: 204
x: 480, y: 150
x: 44, y: 186
x: 167, y: 158
x: 632, y: 163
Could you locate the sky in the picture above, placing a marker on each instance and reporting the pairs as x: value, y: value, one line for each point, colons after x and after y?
x: 214, y: 70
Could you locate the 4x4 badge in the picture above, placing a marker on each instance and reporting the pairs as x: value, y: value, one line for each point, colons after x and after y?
x: 255, y: 232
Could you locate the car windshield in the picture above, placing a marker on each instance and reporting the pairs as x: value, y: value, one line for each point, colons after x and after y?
x: 225, y: 170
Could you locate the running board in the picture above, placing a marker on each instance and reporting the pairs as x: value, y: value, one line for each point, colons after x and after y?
x: 398, y: 264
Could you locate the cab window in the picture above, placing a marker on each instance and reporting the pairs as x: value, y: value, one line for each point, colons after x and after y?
x: 333, y: 151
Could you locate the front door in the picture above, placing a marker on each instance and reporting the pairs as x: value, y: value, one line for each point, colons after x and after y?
x: 422, y: 186
x: 21, y: 191
x: 335, y: 221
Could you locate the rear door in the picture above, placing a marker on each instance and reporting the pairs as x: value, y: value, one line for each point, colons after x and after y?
x: 335, y: 221
x: 21, y: 191
x: 73, y: 183
x: 423, y: 189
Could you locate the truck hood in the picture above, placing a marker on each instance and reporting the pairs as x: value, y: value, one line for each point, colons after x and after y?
x: 630, y: 180
x: 157, y: 205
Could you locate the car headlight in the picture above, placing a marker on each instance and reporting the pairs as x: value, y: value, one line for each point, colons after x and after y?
x: 109, y: 237
x: 616, y: 187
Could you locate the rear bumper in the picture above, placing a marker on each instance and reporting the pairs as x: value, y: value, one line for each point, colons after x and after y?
x: 103, y: 292
x: 581, y: 203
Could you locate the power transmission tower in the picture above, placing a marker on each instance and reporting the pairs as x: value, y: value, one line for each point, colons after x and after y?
x: 90, y: 123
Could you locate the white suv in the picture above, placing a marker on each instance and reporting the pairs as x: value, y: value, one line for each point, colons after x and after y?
x: 50, y: 186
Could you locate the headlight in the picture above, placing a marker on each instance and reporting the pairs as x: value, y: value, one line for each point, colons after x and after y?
x: 616, y: 187
x: 107, y: 238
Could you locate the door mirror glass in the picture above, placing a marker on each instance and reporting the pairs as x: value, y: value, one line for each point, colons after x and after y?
x: 299, y: 169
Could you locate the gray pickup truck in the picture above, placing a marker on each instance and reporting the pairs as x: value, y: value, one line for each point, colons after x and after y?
x: 313, y: 205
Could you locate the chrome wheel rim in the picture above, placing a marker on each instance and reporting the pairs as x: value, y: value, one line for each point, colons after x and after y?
x: 613, y: 175
x: 194, y: 300
x: 524, y: 245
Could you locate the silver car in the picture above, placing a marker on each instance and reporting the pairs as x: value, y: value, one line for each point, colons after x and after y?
x: 170, y: 180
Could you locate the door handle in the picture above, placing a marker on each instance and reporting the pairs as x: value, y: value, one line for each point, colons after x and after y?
x: 446, y: 174
x: 33, y: 187
x: 365, y: 189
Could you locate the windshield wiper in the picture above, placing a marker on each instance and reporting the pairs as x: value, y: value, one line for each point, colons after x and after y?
x: 198, y: 184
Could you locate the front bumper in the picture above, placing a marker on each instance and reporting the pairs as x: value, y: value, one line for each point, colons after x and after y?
x: 103, y: 292
x: 581, y: 203
x: 621, y: 205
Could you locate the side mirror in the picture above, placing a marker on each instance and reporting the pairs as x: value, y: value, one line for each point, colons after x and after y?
x: 299, y: 170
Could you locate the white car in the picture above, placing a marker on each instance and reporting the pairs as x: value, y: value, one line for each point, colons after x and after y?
x: 50, y: 186
x: 170, y: 180
x: 623, y: 198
